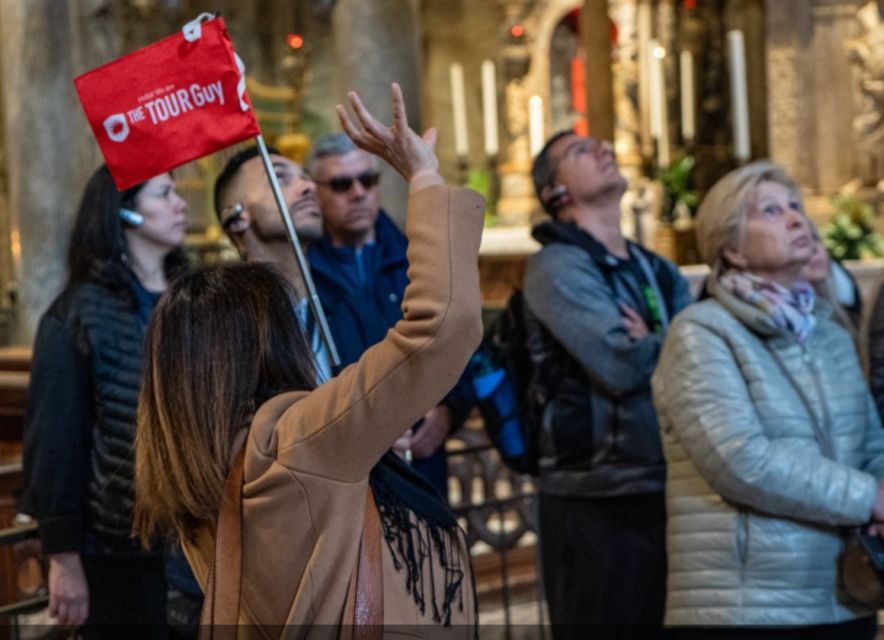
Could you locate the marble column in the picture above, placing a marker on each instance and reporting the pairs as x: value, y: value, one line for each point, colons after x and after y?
x: 377, y: 42
x: 789, y: 29
x: 49, y: 148
x: 810, y: 98
x: 836, y: 160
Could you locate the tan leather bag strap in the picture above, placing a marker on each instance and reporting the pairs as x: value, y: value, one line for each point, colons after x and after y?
x: 220, y: 613
x: 364, y: 613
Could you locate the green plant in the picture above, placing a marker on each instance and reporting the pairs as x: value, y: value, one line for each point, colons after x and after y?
x: 851, y: 235
x: 480, y: 180
x: 677, y: 190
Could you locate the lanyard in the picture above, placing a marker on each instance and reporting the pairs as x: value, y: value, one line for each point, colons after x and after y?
x: 651, y: 293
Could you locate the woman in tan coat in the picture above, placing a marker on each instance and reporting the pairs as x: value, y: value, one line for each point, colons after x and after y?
x: 333, y: 529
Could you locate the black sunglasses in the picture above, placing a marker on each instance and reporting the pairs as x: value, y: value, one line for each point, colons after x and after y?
x: 342, y: 184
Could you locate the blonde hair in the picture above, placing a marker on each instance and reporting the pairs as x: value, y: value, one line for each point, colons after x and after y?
x: 722, y: 215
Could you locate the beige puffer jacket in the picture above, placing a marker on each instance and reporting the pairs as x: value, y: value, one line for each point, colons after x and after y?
x: 753, y: 505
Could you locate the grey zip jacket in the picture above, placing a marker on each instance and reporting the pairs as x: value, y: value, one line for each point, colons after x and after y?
x: 599, y: 436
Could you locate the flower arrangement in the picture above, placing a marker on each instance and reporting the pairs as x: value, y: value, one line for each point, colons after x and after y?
x: 680, y: 200
x: 851, y: 235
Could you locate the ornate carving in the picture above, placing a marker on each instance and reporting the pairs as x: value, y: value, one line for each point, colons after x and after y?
x: 867, y: 54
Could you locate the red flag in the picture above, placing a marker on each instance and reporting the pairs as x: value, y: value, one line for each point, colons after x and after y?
x: 169, y: 103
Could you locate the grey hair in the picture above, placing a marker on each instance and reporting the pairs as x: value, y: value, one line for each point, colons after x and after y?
x: 722, y: 215
x: 332, y: 145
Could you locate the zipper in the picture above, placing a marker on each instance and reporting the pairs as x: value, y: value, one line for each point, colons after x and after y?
x: 742, y: 535
x: 823, y: 434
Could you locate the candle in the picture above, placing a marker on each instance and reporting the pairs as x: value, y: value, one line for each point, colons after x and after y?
x: 644, y: 101
x: 489, y: 108
x: 535, y: 125
x: 688, y: 119
x: 461, y: 145
x: 662, y: 108
x: 739, y: 95
x: 655, y: 97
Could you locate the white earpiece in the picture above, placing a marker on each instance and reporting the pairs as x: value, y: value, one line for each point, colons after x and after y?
x: 131, y: 217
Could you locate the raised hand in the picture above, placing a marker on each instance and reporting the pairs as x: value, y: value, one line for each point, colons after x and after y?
x: 399, y: 145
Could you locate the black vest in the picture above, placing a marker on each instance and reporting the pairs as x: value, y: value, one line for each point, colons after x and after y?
x: 114, y: 338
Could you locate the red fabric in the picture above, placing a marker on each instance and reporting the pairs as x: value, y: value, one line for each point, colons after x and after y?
x: 167, y: 104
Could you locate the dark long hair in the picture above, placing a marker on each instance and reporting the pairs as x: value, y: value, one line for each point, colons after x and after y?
x: 222, y: 340
x: 98, y: 246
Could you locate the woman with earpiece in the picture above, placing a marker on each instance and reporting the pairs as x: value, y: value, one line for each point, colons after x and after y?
x: 80, y: 421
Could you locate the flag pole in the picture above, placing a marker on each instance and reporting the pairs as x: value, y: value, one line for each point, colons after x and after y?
x: 312, y: 296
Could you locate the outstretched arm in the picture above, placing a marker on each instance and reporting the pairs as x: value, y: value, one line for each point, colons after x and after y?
x: 341, y: 429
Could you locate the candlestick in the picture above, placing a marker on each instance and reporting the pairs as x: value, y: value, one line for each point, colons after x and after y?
x: 739, y: 95
x: 489, y: 108
x: 461, y: 144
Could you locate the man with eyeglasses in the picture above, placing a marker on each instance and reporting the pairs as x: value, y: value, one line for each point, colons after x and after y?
x: 360, y: 270
x: 604, y: 304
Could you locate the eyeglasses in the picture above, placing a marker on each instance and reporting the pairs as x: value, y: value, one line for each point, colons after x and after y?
x: 342, y: 184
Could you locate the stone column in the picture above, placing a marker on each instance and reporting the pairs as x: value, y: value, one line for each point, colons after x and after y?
x: 790, y: 82
x: 599, y: 83
x: 49, y: 147
x: 810, y: 98
x: 834, y: 22
x: 376, y: 42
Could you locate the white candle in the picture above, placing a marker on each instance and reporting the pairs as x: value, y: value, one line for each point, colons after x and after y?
x: 535, y: 125
x: 461, y: 145
x: 489, y: 108
x: 662, y: 108
x: 644, y: 99
x: 655, y: 98
x: 739, y: 95
x: 688, y: 118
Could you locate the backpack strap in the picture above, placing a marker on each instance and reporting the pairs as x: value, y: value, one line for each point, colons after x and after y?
x: 220, y: 613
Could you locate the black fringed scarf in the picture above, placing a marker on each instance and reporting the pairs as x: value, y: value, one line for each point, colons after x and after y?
x: 399, y: 492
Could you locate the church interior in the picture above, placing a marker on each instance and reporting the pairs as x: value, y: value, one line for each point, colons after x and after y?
x: 686, y: 90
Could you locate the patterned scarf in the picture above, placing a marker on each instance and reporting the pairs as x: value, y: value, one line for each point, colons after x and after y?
x: 790, y: 309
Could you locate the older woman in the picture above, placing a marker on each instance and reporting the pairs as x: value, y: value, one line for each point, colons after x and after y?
x: 770, y: 435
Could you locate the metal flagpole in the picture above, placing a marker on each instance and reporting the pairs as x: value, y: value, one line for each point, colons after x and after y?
x: 312, y: 296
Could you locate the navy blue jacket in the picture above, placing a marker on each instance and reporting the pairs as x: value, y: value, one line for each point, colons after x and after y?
x: 359, y: 316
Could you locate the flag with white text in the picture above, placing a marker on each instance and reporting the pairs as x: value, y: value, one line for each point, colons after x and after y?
x: 171, y: 102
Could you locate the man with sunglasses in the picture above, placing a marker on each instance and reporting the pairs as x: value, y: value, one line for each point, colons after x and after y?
x: 604, y: 304
x: 360, y: 270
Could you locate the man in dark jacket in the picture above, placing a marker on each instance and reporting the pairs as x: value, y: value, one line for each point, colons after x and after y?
x: 360, y: 271
x: 606, y: 304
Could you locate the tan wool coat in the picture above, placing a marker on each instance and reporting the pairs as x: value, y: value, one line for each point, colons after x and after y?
x: 308, y: 455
